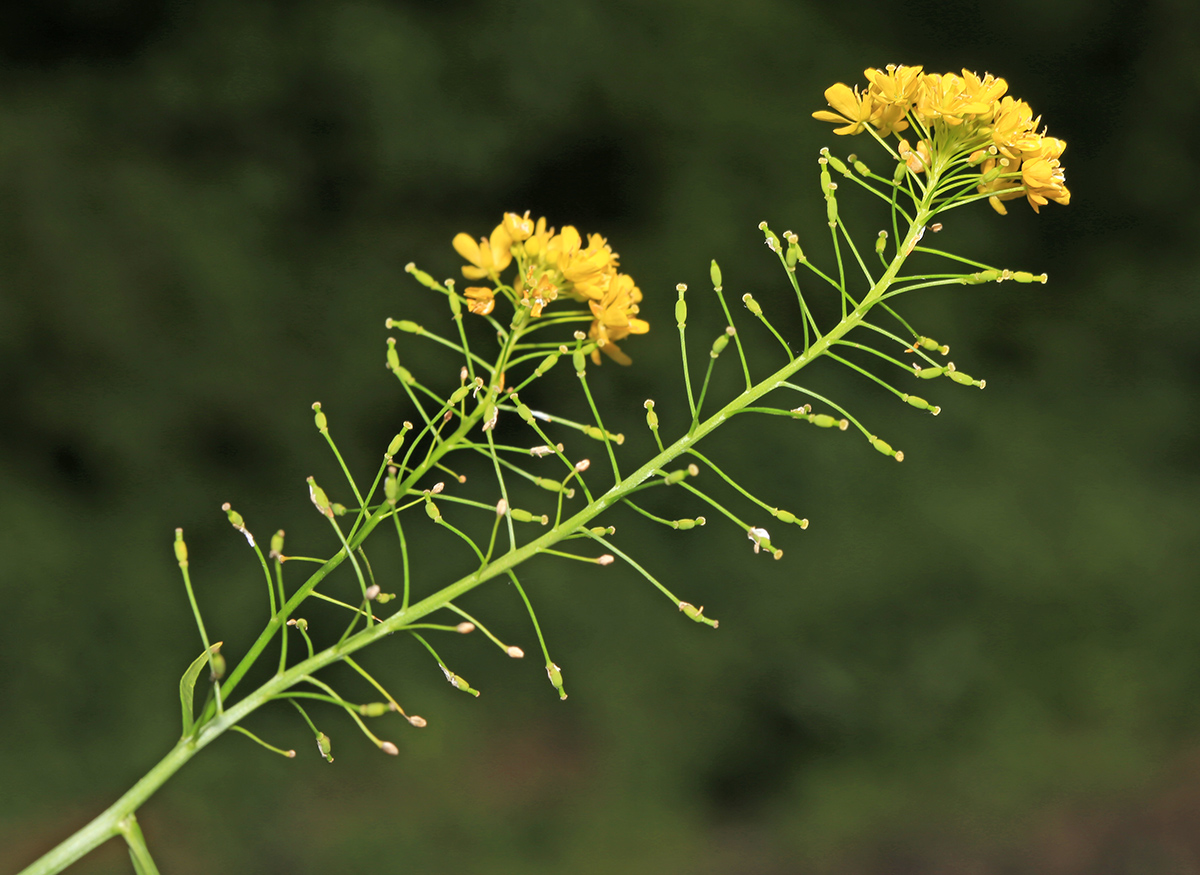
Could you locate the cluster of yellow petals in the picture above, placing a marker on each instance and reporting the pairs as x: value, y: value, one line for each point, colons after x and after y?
x: 550, y: 265
x: 965, y: 114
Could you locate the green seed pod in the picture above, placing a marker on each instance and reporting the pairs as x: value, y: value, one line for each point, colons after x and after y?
x: 831, y: 210
x: 651, y: 416
x: 985, y: 276
x: 235, y: 518
x: 719, y: 345
x: 964, y: 379
x: 422, y: 277
x: 455, y: 304
x: 885, y: 448
x: 406, y: 325
x: 681, y: 311
x: 459, y: 682
x: 218, y: 667
x: 899, y: 173
x: 1022, y: 276
x: 675, y: 476
x: 525, y: 413
x: 431, y: 511
x: 521, y: 516
x: 391, y: 487
x: 714, y: 271
x: 395, y: 445
x: 881, y: 242
x: 374, y: 709
x: 277, y: 544
x: 302, y: 624
x: 180, y: 549
x: 555, y: 674
x: 324, y: 745
x: 927, y: 343
x: 547, y: 363
x: 919, y: 403
x: 692, y: 612
x: 593, y: 432
x: 338, y: 509
x: 785, y: 516
x: 319, y: 418
x: 317, y: 494
x: 822, y: 420
x: 552, y: 486
x: 393, y: 358
x: 837, y: 164
x: 862, y: 169
x: 751, y: 304
x: 684, y: 525
x: 579, y: 362
x: 771, y: 240
x: 826, y: 180
x: 459, y: 394
x: 929, y: 373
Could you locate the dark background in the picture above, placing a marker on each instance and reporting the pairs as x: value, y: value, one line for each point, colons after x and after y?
x: 982, y: 660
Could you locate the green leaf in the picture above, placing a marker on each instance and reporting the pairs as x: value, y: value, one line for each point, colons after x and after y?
x: 187, y: 684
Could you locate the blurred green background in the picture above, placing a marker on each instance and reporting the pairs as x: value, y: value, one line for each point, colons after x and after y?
x: 983, y: 660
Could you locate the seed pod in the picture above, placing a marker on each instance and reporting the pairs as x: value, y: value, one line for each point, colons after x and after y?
x: 651, y: 416
x: 836, y: 163
x: 374, y: 709
x: 406, y: 325
x: 714, y: 271
x: 822, y: 420
x: 394, y: 446
x: 719, y: 345
x: 771, y: 240
x: 431, y: 511
x: 929, y: 373
x: 277, y: 545
x: 681, y: 311
x: 422, y: 277
x: 578, y: 361
x: 547, y: 363
x: 555, y: 674
x: 324, y: 745
x: 459, y: 394
x: 751, y: 304
x: 862, y: 168
x: 899, y: 172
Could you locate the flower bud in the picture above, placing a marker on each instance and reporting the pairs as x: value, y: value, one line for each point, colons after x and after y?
x: 606, y: 559
x: 465, y: 628
x: 514, y: 651
x: 389, y: 748
x: 372, y: 592
x: 714, y: 271
x: 218, y: 667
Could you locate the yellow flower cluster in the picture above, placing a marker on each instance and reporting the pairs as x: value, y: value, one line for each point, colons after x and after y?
x: 957, y: 116
x: 551, y: 264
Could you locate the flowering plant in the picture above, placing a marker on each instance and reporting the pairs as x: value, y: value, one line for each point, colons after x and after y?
x: 543, y: 495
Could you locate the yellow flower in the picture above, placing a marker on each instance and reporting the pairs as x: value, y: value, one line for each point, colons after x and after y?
x: 979, y: 96
x: 489, y: 256
x: 483, y: 300
x: 940, y: 98
x: 518, y: 227
x: 615, y: 318
x: 892, y: 93
x: 917, y: 159
x: 1043, y: 175
x: 853, y: 108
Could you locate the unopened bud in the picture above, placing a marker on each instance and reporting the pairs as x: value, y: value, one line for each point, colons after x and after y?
x: 218, y: 667
x: 714, y: 272
x: 514, y: 651
x: 583, y: 464
x: 372, y: 592
x: 465, y: 628
x: 606, y: 559
x: 389, y: 748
